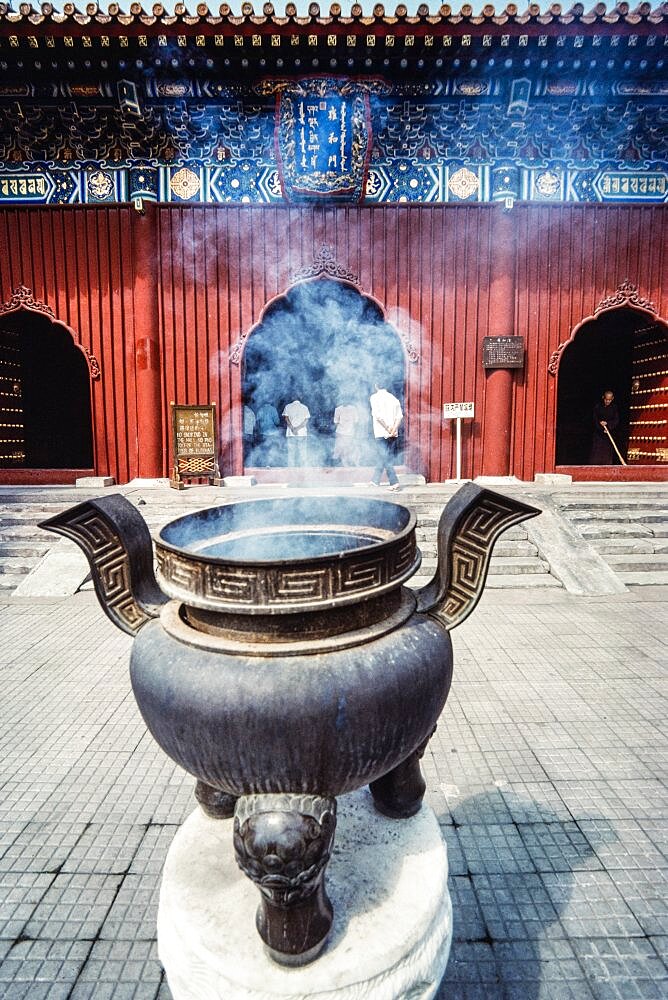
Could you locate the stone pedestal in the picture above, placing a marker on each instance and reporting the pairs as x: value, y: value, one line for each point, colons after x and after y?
x: 387, y: 880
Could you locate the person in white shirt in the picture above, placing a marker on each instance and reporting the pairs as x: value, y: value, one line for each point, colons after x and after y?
x: 387, y: 416
x: 297, y: 416
x: 346, y: 419
x: 248, y: 430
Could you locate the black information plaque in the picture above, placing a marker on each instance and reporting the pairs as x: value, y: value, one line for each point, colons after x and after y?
x: 195, y: 445
x: 503, y: 352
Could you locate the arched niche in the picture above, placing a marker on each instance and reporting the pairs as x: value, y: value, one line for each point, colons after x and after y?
x: 325, y: 343
x: 45, y: 390
x: 622, y: 347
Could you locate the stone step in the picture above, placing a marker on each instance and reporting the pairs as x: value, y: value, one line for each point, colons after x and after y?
x: 26, y: 549
x: 9, y: 581
x: 22, y: 531
x: 644, y: 563
x: 609, y: 514
x: 626, y: 546
x: 499, y: 565
x: 644, y: 502
x: 16, y: 566
x: 612, y: 529
x: 430, y: 522
x: 522, y: 548
x: 502, y: 581
x: 653, y: 578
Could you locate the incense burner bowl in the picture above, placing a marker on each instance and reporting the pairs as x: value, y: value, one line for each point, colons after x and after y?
x: 281, y: 660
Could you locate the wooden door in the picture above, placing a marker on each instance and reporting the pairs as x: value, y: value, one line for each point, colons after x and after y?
x: 648, y: 424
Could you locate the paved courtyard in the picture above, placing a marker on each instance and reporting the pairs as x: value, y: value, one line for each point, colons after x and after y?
x: 547, y: 773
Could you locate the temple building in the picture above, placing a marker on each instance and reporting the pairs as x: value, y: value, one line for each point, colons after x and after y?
x: 253, y: 207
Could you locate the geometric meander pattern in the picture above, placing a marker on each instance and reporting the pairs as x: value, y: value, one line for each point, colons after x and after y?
x: 470, y: 554
x: 110, y: 568
x: 283, y: 586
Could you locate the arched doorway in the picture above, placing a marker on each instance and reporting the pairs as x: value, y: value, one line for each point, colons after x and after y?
x: 622, y: 349
x: 45, y: 404
x: 324, y: 343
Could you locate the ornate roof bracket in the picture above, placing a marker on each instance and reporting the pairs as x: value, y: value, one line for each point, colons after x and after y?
x: 23, y: 298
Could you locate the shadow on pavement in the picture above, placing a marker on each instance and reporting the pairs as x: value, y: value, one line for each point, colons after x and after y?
x: 511, y: 880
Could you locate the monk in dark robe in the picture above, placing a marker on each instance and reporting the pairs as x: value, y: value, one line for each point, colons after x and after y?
x: 605, y: 415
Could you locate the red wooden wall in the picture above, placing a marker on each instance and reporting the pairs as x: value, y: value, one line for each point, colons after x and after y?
x: 220, y: 268
x: 433, y: 269
x: 570, y: 258
x: 78, y: 261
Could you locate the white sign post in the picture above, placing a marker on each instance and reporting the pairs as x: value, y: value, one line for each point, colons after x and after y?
x: 458, y: 411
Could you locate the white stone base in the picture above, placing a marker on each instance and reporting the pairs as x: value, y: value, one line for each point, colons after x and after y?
x: 552, y: 479
x: 387, y: 880
x: 95, y: 482
x: 239, y: 481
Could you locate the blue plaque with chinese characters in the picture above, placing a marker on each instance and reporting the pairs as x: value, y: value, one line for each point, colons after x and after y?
x: 323, y: 138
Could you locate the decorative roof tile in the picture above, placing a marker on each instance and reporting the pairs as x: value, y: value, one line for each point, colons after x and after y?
x: 157, y: 16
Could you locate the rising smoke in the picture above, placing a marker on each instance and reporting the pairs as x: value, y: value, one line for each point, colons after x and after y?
x: 327, y: 345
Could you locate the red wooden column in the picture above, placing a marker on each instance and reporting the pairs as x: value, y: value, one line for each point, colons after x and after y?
x: 498, y: 415
x: 147, y: 344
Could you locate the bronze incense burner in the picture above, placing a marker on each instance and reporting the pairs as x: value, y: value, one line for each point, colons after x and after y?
x: 282, y: 662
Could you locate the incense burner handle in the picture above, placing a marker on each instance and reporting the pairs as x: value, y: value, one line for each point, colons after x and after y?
x: 116, y: 542
x: 469, y: 526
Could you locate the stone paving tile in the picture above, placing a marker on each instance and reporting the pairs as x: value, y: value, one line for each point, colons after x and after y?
x: 20, y: 893
x: 467, y: 920
x: 534, y: 802
x: 150, y: 856
x: 514, y: 766
x: 574, y: 764
x: 164, y: 992
x: 9, y: 831
x: 498, y: 737
x: 457, y: 864
x: 657, y: 831
x: 474, y: 805
x: 471, y: 973
x: 590, y: 905
x: 464, y: 768
x: 485, y: 710
x: 655, y: 759
x: 123, y: 735
x: 105, y: 849
x: 41, y: 847
x: 636, y: 732
x: 134, y: 912
x: 622, y: 968
x: 542, y: 969
x: 549, y: 736
x: 120, y: 970
x: 23, y: 803
x: 494, y: 848
x: 558, y: 847
x: 646, y: 895
x: 623, y: 844
x: 660, y: 945
x: 177, y: 800
x: 454, y: 731
x: 638, y: 800
x: 516, y: 906
x: 74, y: 907
x: 42, y: 968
